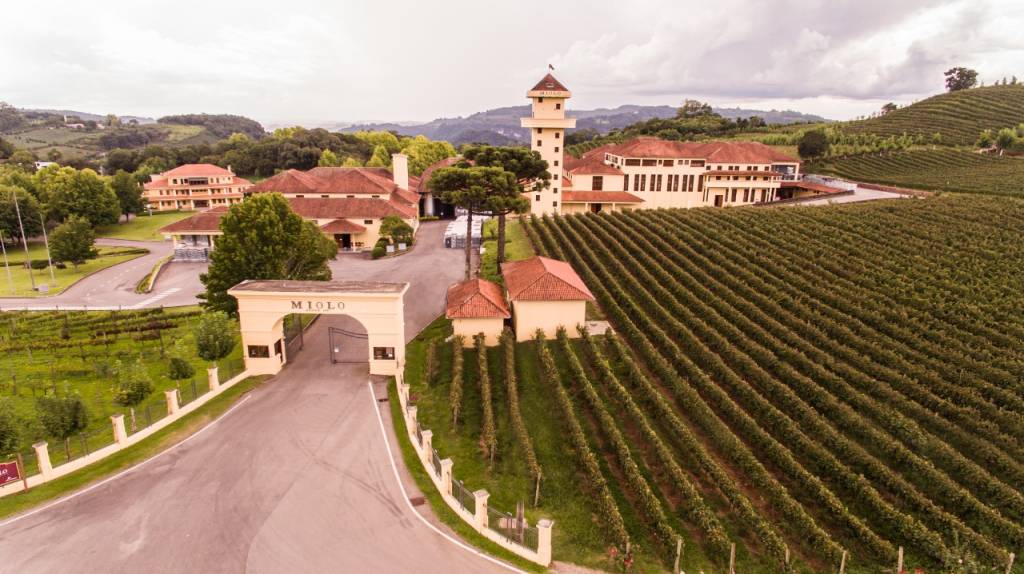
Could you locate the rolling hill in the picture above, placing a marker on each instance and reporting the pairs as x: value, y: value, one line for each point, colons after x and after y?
x: 959, y: 116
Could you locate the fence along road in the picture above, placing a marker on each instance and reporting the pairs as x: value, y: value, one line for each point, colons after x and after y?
x: 297, y: 480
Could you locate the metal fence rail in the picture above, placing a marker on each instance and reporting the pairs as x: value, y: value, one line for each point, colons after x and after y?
x: 509, y: 526
x: 436, y: 460
x: 465, y: 498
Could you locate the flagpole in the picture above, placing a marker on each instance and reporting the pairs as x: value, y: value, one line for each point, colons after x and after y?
x: 3, y: 246
x: 24, y: 242
x: 46, y: 241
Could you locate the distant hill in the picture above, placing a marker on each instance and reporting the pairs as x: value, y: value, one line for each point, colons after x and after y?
x: 501, y: 125
x: 959, y: 116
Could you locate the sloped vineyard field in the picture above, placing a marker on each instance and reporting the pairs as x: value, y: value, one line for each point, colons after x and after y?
x: 814, y: 385
x: 932, y: 169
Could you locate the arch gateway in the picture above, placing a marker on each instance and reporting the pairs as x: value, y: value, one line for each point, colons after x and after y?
x: 263, y: 304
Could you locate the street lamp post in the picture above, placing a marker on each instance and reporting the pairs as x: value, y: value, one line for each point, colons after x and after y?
x: 24, y: 242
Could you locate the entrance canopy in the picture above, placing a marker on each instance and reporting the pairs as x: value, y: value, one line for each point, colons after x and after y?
x: 263, y: 304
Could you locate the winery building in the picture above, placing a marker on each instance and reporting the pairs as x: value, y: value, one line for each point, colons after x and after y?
x: 194, y: 186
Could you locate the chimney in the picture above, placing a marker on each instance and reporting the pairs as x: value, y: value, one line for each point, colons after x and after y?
x: 400, y: 169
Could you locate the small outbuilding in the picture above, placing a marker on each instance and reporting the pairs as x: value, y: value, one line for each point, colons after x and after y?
x: 477, y: 306
x: 545, y: 294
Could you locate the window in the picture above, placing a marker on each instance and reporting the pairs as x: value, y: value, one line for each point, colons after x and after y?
x: 734, y: 195
x: 540, y: 130
x: 700, y: 184
x: 558, y: 106
x: 536, y: 197
x: 636, y: 181
x: 656, y: 182
x: 598, y: 184
x: 558, y: 135
x: 667, y: 162
x: 300, y: 195
x: 554, y: 190
x: 556, y: 163
x: 258, y: 352
x: 643, y: 182
x: 632, y: 162
x: 762, y: 195
x: 325, y: 196
x: 746, y: 195
x: 383, y: 353
x: 649, y: 162
x: 697, y: 163
x: 368, y: 221
x: 625, y: 182
x: 554, y: 204
x: 540, y: 143
x: 556, y: 149
x: 540, y: 100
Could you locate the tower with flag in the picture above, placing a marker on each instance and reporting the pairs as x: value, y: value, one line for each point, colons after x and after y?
x: 547, y: 124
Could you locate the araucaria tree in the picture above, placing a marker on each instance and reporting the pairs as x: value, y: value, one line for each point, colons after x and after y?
x: 264, y: 239
x: 531, y: 173
x: 73, y: 241
x: 471, y: 188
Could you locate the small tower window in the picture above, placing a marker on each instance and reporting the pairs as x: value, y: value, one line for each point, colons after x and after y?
x: 540, y: 130
x: 558, y: 135
x: 540, y: 143
x: 556, y: 149
x: 540, y: 100
x: 558, y: 106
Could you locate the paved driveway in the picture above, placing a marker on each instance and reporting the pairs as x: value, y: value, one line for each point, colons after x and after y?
x: 296, y: 479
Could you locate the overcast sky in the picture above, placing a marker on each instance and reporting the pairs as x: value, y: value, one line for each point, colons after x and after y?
x: 416, y: 60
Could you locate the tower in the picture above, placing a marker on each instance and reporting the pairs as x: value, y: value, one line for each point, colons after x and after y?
x: 547, y: 124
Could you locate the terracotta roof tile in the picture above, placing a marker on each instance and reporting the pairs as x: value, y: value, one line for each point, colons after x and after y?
x: 543, y: 279
x: 342, y: 226
x: 717, y: 152
x: 204, y: 221
x: 345, y: 207
x: 196, y: 170
x: 475, y: 299
x: 549, y: 84
x: 330, y: 181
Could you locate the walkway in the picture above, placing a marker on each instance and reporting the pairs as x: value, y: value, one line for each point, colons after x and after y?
x: 297, y: 479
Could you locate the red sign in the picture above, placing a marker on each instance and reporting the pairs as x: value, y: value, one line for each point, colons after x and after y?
x: 9, y: 472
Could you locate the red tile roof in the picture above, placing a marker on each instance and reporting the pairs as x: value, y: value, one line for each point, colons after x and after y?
x: 425, y: 176
x: 475, y: 299
x: 593, y: 164
x: 543, y: 279
x: 741, y: 172
x: 203, y: 222
x: 345, y: 207
x: 342, y: 226
x: 716, y: 152
x: 196, y: 170
x: 599, y: 197
x: 330, y: 181
x: 162, y: 182
x: 549, y: 84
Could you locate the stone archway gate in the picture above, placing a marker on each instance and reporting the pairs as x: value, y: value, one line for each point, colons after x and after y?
x: 263, y: 304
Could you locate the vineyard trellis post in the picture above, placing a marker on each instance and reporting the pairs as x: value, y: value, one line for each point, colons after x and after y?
x: 679, y: 554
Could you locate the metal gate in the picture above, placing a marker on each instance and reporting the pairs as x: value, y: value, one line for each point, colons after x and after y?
x: 338, y: 339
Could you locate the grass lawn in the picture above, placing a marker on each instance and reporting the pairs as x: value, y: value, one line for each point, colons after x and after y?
x: 136, y: 453
x: 36, y: 358
x: 62, y: 278
x: 517, y: 246
x: 142, y: 227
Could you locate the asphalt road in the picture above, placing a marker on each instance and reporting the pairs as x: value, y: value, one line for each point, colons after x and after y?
x: 295, y: 479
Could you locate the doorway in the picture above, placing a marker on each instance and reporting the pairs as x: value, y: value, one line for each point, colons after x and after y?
x: 718, y: 200
x: 344, y: 241
x: 595, y: 208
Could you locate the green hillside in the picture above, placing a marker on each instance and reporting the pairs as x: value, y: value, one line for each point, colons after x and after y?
x: 933, y: 169
x: 959, y: 116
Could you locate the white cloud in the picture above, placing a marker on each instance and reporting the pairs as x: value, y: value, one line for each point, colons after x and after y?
x: 418, y: 60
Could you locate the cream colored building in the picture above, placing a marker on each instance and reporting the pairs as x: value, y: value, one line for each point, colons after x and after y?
x: 646, y: 172
x: 194, y: 186
x: 346, y: 203
x: 547, y: 124
x: 477, y: 306
x: 545, y: 294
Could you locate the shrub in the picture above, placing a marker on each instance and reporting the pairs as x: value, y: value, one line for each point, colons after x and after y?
x: 9, y: 427
x: 38, y: 264
x: 430, y: 364
x: 62, y: 416
x: 178, y: 369
x: 134, y: 386
x: 378, y: 251
x: 215, y: 336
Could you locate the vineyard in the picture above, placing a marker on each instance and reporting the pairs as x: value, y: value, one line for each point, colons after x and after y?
x: 91, y: 355
x: 812, y: 386
x: 935, y: 169
x: 958, y: 116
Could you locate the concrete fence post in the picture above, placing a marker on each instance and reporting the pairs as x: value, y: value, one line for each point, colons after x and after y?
x: 213, y: 379
x: 412, y: 419
x: 43, y: 458
x: 120, y: 435
x: 172, y: 401
x: 428, y: 442
x: 544, y: 527
x: 481, y: 497
x: 446, y: 475
x: 403, y: 394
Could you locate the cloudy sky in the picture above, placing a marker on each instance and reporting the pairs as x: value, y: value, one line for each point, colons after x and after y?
x: 311, y: 60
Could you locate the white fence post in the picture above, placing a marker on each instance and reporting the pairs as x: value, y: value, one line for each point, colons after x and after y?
x: 172, y: 401
x: 213, y: 379
x: 411, y: 420
x: 544, y: 527
x: 120, y: 435
x: 446, y: 475
x: 43, y: 458
x: 428, y: 440
x: 481, y: 497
